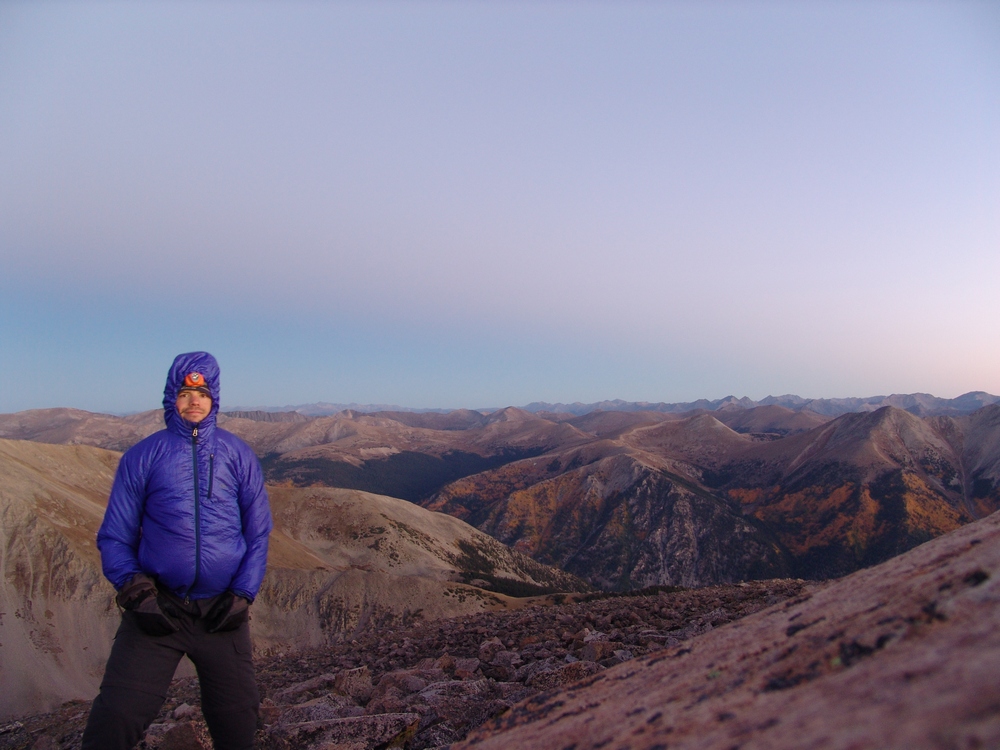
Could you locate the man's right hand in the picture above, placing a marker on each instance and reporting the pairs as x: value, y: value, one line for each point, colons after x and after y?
x: 140, y: 597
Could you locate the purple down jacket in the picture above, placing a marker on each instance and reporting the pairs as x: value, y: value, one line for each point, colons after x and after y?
x: 188, y: 505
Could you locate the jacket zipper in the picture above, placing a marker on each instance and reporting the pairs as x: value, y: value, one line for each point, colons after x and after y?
x: 197, y: 516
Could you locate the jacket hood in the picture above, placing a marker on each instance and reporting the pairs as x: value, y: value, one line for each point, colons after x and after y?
x: 184, y: 364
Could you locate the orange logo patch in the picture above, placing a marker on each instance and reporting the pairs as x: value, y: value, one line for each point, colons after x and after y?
x: 194, y: 380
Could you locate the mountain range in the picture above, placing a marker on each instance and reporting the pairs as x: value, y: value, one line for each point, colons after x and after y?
x: 625, y: 499
x: 921, y: 404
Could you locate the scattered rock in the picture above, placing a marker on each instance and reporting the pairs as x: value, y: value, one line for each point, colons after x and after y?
x: 599, y: 650
x: 184, y: 711
x: 181, y: 737
x: 330, y: 706
x: 355, y: 683
x: 503, y: 666
x: 904, y: 655
x: 393, y: 690
x: 354, y: 732
x: 564, y: 675
x: 446, y: 664
x: 489, y: 649
x: 305, y: 690
x: 466, y: 669
x: 447, y: 677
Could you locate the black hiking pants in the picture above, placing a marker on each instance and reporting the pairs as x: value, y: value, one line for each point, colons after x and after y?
x: 139, y: 672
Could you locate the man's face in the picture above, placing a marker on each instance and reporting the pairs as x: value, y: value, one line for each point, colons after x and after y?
x: 193, y: 405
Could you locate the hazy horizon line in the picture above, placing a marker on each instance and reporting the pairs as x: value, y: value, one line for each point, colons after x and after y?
x: 536, y: 406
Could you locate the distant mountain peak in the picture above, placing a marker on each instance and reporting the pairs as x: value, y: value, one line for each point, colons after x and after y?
x: 510, y: 414
x: 920, y: 404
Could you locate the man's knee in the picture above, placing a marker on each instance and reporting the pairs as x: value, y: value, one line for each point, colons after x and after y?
x: 231, y: 715
x: 232, y: 729
x: 230, y: 699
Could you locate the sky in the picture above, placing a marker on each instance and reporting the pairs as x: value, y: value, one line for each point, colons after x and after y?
x: 482, y: 204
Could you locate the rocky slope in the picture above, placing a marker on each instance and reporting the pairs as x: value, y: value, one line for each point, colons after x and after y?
x: 56, y: 614
x: 690, y: 501
x: 428, y: 683
x: 340, y: 562
x: 866, y: 486
x: 902, y: 655
x: 771, y: 421
x: 618, y: 521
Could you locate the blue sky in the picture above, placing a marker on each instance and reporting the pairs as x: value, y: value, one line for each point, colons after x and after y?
x: 445, y: 204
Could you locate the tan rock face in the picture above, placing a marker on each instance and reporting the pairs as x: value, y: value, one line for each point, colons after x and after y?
x: 902, y: 655
x: 57, y: 616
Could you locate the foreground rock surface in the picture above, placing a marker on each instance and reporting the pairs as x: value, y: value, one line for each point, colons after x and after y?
x: 429, y: 684
x: 903, y: 655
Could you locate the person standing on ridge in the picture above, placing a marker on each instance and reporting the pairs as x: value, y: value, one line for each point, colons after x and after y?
x: 184, y: 542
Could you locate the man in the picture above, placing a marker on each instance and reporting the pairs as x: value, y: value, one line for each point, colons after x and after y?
x: 184, y: 541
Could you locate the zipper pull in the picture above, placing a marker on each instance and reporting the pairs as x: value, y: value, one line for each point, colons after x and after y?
x: 194, y: 432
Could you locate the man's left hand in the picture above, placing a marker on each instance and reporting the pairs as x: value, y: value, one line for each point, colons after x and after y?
x: 228, y: 613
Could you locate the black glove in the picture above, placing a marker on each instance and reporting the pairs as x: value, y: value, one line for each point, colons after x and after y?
x: 228, y: 613
x: 140, y: 597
